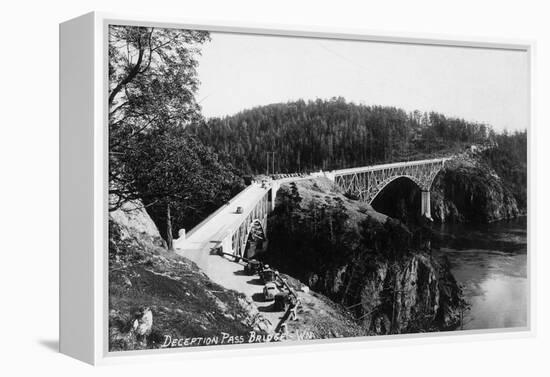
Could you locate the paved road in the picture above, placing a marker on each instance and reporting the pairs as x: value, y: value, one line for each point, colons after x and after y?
x: 224, y: 271
x: 216, y: 226
x: 229, y: 274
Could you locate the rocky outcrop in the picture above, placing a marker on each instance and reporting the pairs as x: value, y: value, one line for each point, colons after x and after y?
x: 414, y: 294
x: 468, y: 190
x: 134, y: 223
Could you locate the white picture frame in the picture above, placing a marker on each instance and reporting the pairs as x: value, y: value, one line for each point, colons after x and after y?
x: 83, y: 188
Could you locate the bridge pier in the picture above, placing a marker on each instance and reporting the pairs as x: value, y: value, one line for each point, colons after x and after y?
x: 274, y: 188
x: 226, y: 245
x: 425, y: 209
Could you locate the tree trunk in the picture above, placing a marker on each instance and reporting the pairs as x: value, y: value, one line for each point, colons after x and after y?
x: 169, y: 237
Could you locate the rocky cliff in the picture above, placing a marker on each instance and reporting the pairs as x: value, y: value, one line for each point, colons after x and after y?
x: 379, y: 269
x: 468, y: 190
x: 414, y: 293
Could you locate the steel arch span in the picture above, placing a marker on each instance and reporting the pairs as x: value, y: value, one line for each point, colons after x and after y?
x: 367, y: 182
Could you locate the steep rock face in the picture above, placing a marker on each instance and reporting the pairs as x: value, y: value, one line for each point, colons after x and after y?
x: 363, y: 260
x: 416, y: 294
x: 134, y: 222
x: 413, y: 293
x: 443, y: 209
x: 469, y: 191
x: 131, y: 228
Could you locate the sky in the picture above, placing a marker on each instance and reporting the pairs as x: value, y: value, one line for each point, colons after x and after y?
x: 240, y: 71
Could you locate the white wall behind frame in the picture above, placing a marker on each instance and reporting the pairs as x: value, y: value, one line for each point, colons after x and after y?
x: 29, y: 190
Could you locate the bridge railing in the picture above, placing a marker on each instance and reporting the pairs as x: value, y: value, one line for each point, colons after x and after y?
x: 389, y: 166
x: 289, y: 175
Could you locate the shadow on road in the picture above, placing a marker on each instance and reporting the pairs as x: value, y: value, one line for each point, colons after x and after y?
x: 258, y: 297
x: 265, y: 309
x: 256, y: 281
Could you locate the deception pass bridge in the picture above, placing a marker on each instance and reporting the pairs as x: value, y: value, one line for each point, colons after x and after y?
x: 240, y: 225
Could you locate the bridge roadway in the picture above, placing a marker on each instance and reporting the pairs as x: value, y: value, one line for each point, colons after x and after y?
x: 216, y: 226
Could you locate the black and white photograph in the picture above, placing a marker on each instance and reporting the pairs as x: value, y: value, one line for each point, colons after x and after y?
x: 275, y: 189
x: 268, y: 188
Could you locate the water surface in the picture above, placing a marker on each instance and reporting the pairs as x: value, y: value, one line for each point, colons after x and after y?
x: 490, y: 262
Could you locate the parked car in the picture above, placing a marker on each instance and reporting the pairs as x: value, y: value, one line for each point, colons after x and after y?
x: 270, y: 290
x: 267, y: 275
x: 252, y: 267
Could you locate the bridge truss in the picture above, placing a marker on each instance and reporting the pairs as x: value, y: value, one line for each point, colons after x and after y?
x: 367, y: 182
x: 253, y: 226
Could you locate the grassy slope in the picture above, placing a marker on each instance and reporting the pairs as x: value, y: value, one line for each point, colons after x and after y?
x: 320, y: 318
x: 319, y: 189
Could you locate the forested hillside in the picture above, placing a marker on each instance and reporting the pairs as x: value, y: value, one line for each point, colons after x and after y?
x: 509, y: 159
x: 330, y: 134
x: 152, y: 86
